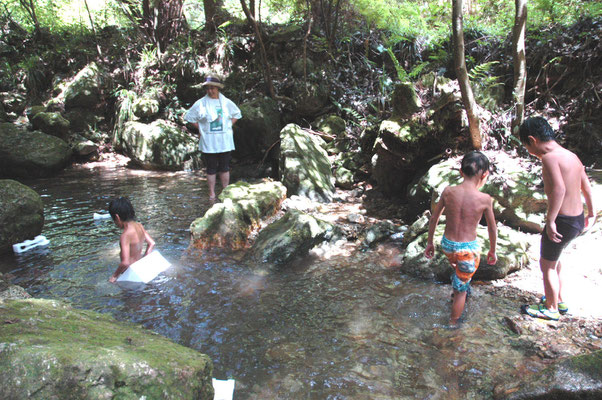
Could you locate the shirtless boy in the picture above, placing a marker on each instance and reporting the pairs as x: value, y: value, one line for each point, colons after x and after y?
x: 564, y: 181
x: 133, y: 236
x: 464, y: 205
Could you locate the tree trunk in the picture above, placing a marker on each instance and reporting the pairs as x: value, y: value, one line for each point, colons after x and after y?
x: 462, y: 74
x: 520, y: 64
x: 212, y: 10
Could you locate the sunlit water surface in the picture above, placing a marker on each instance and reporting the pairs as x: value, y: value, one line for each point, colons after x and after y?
x: 349, y: 327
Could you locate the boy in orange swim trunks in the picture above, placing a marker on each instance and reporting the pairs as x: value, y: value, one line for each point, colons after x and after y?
x: 464, y: 205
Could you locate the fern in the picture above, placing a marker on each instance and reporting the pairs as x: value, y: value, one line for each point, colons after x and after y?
x: 401, y: 72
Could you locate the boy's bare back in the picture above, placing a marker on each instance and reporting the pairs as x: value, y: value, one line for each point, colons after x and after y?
x: 132, y: 240
x: 562, y: 175
x: 464, y: 207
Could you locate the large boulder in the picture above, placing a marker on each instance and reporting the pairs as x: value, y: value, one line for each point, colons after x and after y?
x: 514, y: 183
x: 397, y: 151
x: 53, y: 351
x: 332, y: 125
x: 21, y: 213
x: 291, y: 236
x: 158, y: 145
x: 575, y: 378
x: 28, y: 154
x: 259, y: 128
x: 83, y: 91
x: 304, y: 166
x: 51, y: 123
x: 511, y: 251
x: 243, y: 207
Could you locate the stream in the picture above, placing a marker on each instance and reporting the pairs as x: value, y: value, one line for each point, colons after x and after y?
x: 344, y: 327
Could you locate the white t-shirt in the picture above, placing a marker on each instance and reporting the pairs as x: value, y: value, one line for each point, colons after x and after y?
x: 214, y: 117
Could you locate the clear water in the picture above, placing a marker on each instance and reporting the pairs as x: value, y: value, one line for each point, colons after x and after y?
x: 347, y: 327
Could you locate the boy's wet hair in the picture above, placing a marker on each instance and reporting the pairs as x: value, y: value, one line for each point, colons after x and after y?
x: 537, y: 127
x: 123, y: 208
x: 474, y: 163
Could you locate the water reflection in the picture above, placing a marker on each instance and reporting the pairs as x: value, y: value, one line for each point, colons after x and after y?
x: 346, y: 327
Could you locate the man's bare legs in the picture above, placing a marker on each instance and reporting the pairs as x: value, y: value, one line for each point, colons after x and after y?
x: 551, y: 282
x: 224, y: 178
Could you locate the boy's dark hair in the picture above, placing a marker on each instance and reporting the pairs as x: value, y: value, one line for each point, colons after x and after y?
x: 474, y: 162
x: 537, y: 127
x: 123, y: 208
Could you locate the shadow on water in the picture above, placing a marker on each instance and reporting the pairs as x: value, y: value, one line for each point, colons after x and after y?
x: 344, y: 328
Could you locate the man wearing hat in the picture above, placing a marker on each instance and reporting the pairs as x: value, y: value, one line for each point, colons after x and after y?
x: 214, y: 115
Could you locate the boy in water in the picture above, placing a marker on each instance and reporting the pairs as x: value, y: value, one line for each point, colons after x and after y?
x: 133, y: 237
x: 564, y: 181
x: 464, y: 205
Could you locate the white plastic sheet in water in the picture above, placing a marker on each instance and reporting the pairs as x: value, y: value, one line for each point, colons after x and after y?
x: 97, y: 216
x: 224, y: 390
x: 39, y: 240
x: 146, y: 269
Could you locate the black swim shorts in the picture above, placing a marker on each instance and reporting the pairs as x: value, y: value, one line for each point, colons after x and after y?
x: 569, y: 228
x: 217, y: 162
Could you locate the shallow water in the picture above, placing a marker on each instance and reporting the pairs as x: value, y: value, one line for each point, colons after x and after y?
x: 348, y: 327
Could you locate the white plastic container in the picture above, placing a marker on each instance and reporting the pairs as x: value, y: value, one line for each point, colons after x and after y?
x: 39, y: 240
x: 146, y: 269
x: 98, y: 216
x: 224, y: 390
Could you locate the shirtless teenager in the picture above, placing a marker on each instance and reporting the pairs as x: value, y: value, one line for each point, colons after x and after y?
x: 132, y: 238
x: 564, y: 181
x: 464, y: 205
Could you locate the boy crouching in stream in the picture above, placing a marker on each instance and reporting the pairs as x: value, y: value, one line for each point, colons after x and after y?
x: 132, y: 238
x: 464, y: 205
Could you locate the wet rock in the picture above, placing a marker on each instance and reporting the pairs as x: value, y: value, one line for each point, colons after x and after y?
x: 112, y: 359
x: 380, y: 231
x: 291, y: 236
x: 31, y: 154
x: 51, y: 123
x: 578, y: 377
x: 158, y: 145
x: 228, y: 224
x: 511, y: 251
x: 258, y: 130
x: 83, y: 148
x: 21, y: 214
x: 304, y: 166
x: 515, y: 184
x: 302, y: 66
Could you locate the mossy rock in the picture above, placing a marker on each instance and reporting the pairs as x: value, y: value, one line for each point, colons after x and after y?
x: 304, y: 165
x: 83, y: 91
x: 51, y: 123
x: 258, y: 130
x: 158, y: 145
x: 243, y: 207
x: 511, y: 251
x: 21, y: 214
x: 515, y: 184
x: 405, y: 100
x: 52, y: 351
x: 291, y: 236
x: 27, y: 154
x: 332, y: 125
